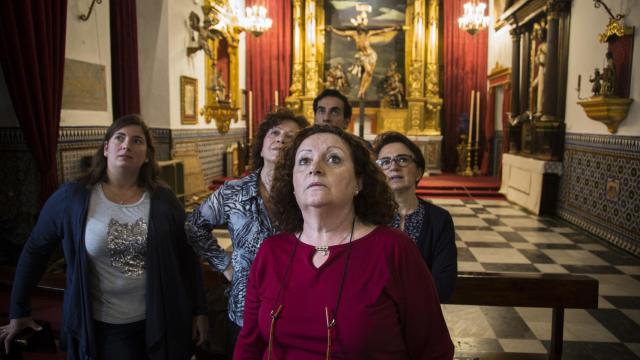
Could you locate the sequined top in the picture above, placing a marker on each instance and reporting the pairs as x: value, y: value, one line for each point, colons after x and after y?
x: 116, y: 243
x: 238, y: 205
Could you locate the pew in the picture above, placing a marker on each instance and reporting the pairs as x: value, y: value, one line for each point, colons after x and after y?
x: 555, y: 291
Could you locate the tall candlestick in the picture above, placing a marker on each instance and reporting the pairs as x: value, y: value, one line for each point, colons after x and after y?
x: 477, y: 117
x: 468, y: 171
x: 276, y: 95
x: 250, y: 115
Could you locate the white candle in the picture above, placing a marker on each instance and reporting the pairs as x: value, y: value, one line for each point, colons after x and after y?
x: 276, y: 95
x: 477, y: 117
x: 250, y: 119
x: 471, y: 117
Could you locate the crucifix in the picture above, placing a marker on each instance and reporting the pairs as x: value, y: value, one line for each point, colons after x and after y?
x: 366, y: 57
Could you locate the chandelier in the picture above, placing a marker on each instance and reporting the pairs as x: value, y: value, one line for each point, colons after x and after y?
x: 255, y: 20
x: 473, y: 19
x: 227, y: 14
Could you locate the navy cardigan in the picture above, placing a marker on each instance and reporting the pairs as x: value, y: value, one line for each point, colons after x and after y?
x: 437, y: 245
x: 174, y: 286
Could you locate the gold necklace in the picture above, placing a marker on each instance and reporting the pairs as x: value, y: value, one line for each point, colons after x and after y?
x: 323, y: 249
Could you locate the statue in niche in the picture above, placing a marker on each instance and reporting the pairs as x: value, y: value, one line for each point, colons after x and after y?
x: 608, y: 76
x: 596, y: 79
x: 393, y: 91
x: 218, y: 86
x: 366, y: 57
x: 337, y: 79
x: 537, y: 84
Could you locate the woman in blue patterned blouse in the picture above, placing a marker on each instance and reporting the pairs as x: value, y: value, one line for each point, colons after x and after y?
x: 430, y: 226
x: 241, y: 206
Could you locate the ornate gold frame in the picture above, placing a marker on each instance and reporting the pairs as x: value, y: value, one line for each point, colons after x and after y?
x: 421, y: 63
x: 188, y: 119
x: 222, y: 112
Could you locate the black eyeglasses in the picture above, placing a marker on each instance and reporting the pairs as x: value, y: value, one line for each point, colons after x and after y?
x: 401, y: 160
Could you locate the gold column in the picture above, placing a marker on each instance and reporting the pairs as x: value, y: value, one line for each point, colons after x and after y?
x: 424, y: 102
x: 415, y: 74
x: 312, y: 22
x: 297, y: 73
x: 434, y: 102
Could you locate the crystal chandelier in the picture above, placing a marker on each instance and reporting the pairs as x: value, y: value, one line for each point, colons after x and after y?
x: 473, y: 19
x: 255, y: 20
x: 227, y: 14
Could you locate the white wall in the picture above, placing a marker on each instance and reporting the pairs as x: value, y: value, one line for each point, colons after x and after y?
x: 500, y: 43
x: 89, y: 41
x: 153, y: 62
x: 586, y: 53
x: 163, y: 38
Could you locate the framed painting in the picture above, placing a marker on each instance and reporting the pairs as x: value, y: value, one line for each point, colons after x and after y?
x: 188, y: 100
x: 341, y: 49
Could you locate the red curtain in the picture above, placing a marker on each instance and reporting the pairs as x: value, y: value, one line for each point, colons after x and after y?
x: 124, y: 58
x: 465, y: 69
x: 32, y: 45
x: 269, y: 59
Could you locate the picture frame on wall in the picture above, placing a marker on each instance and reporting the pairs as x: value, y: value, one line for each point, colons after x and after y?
x: 188, y: 100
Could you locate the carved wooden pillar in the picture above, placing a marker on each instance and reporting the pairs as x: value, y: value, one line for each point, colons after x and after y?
x: 550, y: 95
x: 515, y: 73
x: 525, y: 71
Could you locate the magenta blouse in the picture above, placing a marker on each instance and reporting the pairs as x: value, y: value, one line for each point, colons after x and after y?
x: 389, y: 307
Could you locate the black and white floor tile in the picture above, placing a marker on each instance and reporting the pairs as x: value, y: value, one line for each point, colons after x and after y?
x: 495, y: 235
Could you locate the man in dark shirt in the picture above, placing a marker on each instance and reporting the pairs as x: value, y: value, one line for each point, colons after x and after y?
x: 332, y: 107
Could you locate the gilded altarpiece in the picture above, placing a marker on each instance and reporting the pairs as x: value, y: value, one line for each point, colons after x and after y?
x: 222, y: 70
x: 420, y: 117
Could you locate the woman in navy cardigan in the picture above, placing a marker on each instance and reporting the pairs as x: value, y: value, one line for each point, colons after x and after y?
x: 134, y: 287
x: 430, y: 226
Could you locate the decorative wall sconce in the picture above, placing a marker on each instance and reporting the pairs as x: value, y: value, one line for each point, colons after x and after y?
x: 473, y: 19
x: 609, y: 103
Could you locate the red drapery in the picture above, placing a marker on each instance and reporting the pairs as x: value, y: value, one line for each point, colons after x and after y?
x: 124, y: 58
x: 465, y: 69
x: 269, y: 59
x: 32, y: 46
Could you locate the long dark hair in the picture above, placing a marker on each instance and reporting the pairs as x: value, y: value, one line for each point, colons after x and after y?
x: 374, y: 204
x: 148, y: 176
x: 272, y: 120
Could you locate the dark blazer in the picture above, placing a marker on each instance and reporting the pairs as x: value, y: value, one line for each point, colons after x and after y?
x: 174, y: 286
x: 438, y: 248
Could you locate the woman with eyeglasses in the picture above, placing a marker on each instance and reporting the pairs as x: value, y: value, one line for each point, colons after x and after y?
x: 430, y: 226
x: 241, y: 205
x: 338, y: 283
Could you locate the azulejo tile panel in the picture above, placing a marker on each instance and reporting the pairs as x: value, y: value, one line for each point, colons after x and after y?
x: 599, y: 190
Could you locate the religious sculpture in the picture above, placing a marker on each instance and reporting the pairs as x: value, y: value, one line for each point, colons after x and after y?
x: 608, y: 76
x: 218, y: 86
x: 596, y: 79
x: 204, y: 33
x: 337, y: 79
x: 537, y: 84
x: 366, y: 57
x: 392, y: 86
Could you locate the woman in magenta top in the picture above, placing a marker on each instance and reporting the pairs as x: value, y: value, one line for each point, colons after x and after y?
x: 338, y: 284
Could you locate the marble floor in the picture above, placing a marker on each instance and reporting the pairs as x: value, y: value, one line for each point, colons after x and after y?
x: 495, y: 235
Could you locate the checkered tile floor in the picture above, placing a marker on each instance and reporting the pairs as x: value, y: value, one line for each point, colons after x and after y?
x: 494, y: 235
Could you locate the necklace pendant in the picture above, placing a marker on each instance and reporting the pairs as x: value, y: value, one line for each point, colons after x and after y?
x: 323, y: 249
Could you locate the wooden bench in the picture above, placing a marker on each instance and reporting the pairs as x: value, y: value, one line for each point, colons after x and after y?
x: 555, y: 291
